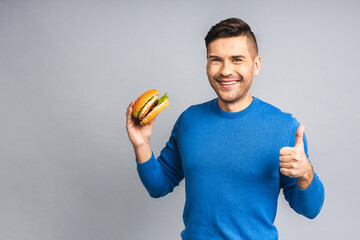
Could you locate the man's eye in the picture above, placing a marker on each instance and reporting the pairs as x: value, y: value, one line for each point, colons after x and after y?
x: 215, y: 60
x: 237, y: 60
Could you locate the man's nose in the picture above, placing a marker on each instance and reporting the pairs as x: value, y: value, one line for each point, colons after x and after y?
x: 226, y: 69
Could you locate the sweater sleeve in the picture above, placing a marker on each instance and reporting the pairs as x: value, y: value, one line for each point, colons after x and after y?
x: 307, y: 202
x: 160, y: 176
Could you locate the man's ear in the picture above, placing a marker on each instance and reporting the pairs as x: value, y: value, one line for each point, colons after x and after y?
x: 257, y: 65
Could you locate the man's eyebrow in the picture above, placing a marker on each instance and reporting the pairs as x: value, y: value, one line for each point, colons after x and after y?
x: 238, y: 56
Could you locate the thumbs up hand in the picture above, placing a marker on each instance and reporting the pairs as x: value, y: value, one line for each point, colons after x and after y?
x: 294, y: 163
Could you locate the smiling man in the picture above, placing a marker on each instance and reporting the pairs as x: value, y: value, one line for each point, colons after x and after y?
x: 231, y: 64
x: 236, y: 152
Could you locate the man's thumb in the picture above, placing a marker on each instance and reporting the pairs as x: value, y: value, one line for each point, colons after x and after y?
x: 299, y: 135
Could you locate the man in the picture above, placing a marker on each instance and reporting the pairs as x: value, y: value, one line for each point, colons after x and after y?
x: 236, y: 152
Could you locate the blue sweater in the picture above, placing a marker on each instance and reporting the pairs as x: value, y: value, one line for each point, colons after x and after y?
x: 230, y: 162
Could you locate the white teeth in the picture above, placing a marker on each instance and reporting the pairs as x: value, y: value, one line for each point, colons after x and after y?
x: 228, y: 83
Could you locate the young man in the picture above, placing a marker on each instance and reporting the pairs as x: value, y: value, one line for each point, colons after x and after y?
x: 236, y: 152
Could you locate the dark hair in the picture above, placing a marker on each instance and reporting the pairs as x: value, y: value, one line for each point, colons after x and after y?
x: 231, y: 27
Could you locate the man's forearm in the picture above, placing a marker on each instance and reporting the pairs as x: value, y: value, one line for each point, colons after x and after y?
x: 143, y: 153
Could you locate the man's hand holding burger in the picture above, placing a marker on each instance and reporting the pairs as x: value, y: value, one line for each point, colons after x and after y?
x: 139, y: 135
x: 140, y: 119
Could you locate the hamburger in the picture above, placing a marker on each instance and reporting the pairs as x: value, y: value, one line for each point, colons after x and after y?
x: 148, y: 105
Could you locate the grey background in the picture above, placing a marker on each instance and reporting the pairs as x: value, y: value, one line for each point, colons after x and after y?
x: 69, y: 69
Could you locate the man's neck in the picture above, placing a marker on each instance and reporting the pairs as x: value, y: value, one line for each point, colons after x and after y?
x: 237, y: 106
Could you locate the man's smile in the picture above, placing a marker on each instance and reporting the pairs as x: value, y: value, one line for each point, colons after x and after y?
x: 227, y: 82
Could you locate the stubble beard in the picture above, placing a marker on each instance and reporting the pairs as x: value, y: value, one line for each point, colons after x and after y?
x: 242, y: 94
x: 237, y: 98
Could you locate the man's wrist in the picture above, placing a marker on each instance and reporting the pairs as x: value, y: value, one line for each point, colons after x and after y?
x: 141, y: 145
x: 305, y: 181
x: 143, y: 152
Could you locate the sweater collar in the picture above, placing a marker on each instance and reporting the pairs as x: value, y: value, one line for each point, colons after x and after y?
x: 241, y: 113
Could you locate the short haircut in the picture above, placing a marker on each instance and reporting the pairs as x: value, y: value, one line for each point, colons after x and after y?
x: 232, y: 27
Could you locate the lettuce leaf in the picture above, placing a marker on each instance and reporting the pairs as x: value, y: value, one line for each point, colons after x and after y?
x: 162, y: 99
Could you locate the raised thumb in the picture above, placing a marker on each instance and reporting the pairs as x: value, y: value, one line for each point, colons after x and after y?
x: 299, y: 135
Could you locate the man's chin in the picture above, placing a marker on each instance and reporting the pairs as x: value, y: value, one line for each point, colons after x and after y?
x: 229, y: 100
x: 233, y: 99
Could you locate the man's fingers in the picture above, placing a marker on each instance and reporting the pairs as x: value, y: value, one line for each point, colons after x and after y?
x: 287, y: 172
x: 129, y: 112
x: 287, y: 165
x: 286, y: 151
x: 131, y: 104
x: 286, y: 159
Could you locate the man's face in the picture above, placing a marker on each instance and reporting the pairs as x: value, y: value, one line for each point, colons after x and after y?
x: 231, y: 66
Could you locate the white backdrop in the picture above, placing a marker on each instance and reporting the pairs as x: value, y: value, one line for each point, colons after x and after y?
x: 69, y: 69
